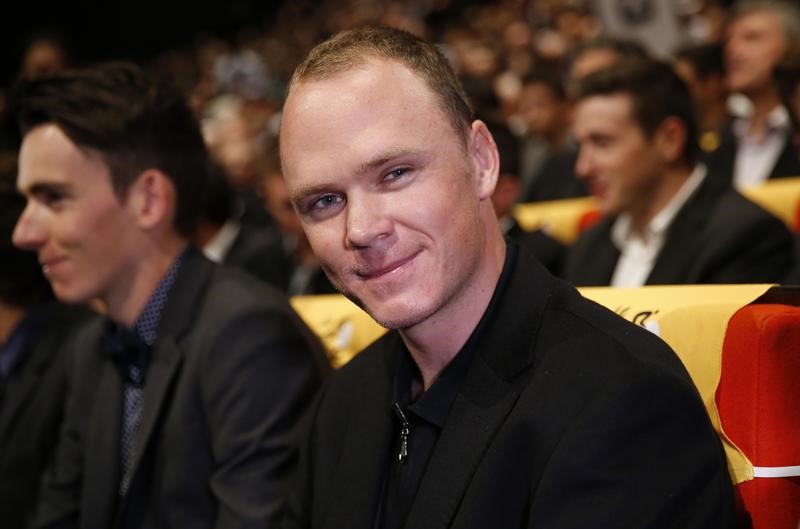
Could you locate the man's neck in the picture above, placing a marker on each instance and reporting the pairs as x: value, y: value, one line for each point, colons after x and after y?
x: 673, y: 179
x: 127, y: 299
x: 764, y: 102
x: 434, y: 342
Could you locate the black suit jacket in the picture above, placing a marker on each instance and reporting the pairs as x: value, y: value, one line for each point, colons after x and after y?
x: 259, y: 250
x: 569, y: 417
x: 549, y: 251
x: 718, y: 236
x: 721, y: 162
x: 31, y: 414
x: 230, y: 373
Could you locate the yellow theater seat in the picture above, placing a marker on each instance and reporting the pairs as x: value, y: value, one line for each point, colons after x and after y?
x: 781, y: 197
x: 561, y: 219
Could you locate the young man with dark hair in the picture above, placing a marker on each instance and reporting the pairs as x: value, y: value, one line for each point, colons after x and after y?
x: 183, y: 405
x: 501, y: 397
x: 666, y: 221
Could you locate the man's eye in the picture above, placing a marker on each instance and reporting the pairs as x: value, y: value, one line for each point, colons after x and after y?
x: 325, y: 202
x: 51, y: 198
x: 396, y: 174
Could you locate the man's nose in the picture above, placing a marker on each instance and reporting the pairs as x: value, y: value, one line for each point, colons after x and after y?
x: 367, y: 222
x: 28, y: 233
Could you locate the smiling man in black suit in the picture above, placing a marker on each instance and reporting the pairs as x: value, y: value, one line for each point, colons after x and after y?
x: 501, y: 397
x: 183, y: 405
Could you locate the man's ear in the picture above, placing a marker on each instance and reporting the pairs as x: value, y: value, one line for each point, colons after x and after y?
x: 151, y: 199
x: 485, y: 159
x: 670, y: 138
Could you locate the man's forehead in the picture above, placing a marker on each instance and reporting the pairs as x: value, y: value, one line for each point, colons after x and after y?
x: 49, y: 157
x: 345, y: 103
x: 757, y: 20
x: 617, y: 104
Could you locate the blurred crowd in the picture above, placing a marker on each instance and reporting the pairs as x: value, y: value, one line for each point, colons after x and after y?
x: 669, y: 209
x: 516, y: 59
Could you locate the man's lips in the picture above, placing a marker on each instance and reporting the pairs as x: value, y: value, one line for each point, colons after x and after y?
x: 596, y: 188
x: 49, y: 262
x: 374, y: 273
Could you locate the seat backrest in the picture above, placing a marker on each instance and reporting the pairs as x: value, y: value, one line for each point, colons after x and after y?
x: 560, y: 219
x: 779, y: 196
x: 758, y: 399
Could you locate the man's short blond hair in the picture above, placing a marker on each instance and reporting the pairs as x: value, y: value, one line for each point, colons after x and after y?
x: 353, y: 48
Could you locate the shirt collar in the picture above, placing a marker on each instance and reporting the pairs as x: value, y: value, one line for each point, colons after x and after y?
x: 622, y: 231
x: 218, y: 247
x: 146, y: 325
x: 435, y: 403
x: 777, y: 121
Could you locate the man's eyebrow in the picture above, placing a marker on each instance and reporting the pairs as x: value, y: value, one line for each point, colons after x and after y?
x: 366, y: 167
x: 306, y: 191
x: 384, y: 158
x: 46, y: 187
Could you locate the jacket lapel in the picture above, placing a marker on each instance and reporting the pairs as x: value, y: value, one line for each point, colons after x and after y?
x: 487, y: 396
x: 167, y: 354
x: 601, y: 253
x: 675, y: 259
x: 788, y: 163
x: 366, y: 452
x: 473, y: 422
x: 162, y: 369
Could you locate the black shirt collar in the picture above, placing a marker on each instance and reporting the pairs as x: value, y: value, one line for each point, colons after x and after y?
x: 434, y: 404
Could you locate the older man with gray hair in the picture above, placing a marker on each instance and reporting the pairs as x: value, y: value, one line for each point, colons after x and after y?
x: 757, y: 144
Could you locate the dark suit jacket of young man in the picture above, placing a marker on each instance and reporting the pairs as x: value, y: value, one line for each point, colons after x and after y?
x: 31, y: 413
x: 718, y: 236
x: 569, y: 417
x: 231, y: 371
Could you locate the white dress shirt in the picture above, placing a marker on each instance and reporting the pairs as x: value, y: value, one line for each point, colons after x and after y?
x: 218, y: 247
x: 756, y: 156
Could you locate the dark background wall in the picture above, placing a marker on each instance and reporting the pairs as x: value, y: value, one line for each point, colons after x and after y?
x: 98, y: 30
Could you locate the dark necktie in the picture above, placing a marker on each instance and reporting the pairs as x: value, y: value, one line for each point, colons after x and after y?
x: 130, y: 353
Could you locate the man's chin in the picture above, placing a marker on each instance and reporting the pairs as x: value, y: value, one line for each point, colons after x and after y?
x: 398, y: 318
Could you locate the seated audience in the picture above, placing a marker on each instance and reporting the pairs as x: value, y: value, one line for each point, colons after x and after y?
x: 548, y: 153
x: 549, y: 251
x: 305, y: 275
x: 666, y: 220
x: 701, y: 68
x: 225, y: 237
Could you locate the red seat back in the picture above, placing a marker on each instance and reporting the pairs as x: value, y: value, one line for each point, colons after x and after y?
x: 759, y: 404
